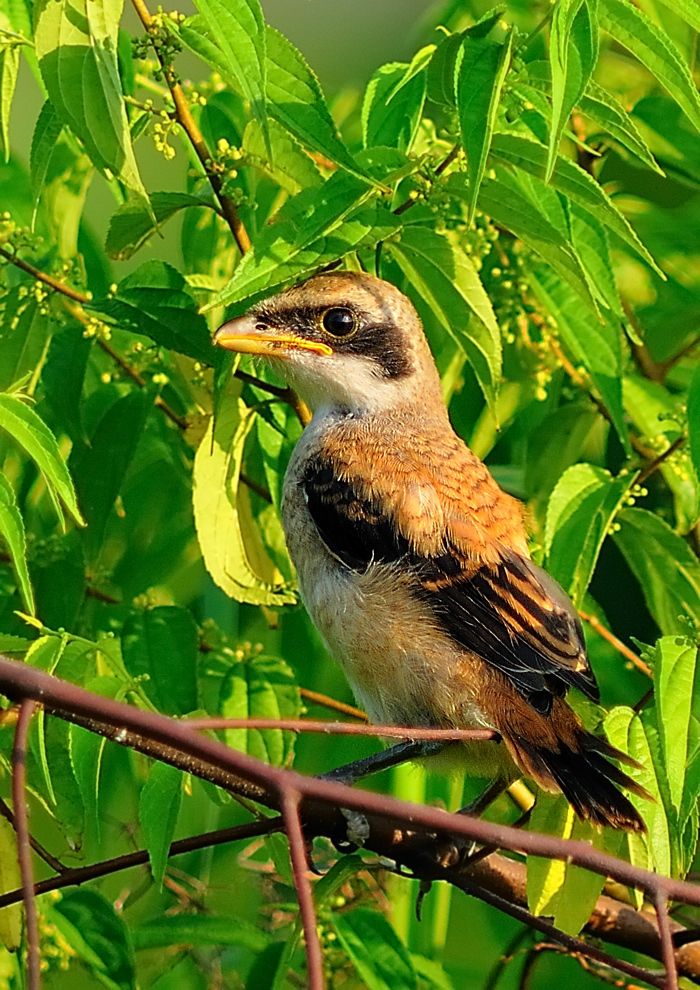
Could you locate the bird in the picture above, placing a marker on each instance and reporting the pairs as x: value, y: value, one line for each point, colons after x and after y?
x: 412, y: 562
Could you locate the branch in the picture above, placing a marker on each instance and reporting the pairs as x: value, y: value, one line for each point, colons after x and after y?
x: 184, y: 117
x: 606, y: 634
x: 19, y: 800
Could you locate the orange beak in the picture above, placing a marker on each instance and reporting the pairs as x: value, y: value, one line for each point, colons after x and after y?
x: 247, y: 335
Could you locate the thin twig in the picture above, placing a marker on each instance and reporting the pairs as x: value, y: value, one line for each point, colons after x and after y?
x: 606, y: 634
x: 53, y: 283
x: 184, y: 117
x: 19, y: 801
x: 439, y: 169
x: 667, y: 952
x: 41, y: 852
x: 658, y: 461
x: 290, y: 801
x: 344, y: 728
x: 327, y: 702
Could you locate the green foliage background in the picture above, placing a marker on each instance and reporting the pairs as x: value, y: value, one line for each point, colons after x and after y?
x: 530, y: 178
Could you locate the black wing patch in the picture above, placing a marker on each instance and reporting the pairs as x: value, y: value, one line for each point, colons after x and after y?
x: 513, y: 615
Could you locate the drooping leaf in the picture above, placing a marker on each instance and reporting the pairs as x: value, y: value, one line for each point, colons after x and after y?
x: 86, y: 753
x: 579, y: 513
x: 573, y: 52
x: 554, y: 887
x: 376, y: 952
x: 667, y: 569
x: 442, y: 275
x: 481, y: 69
x: 594, y: 344
x: 160, y: 644
x: 76, y: 44
x: 392, y: 107
x: 63, y: 376
x: 133, y: 223
x: 159, y: 806
x: 568, y: 178
x: 262, y: 687
x: 9, y: 69
x: 238, y: 27
x: 674, y: 667
x: 46, y: 133
x: 650, y: 43
x: 155, y: 301
x: 233, y: 553
x: 12, y: 535
x: 98, y: 936
x: 602, y: 108
x: 288, y: 164
x: 27, y: 429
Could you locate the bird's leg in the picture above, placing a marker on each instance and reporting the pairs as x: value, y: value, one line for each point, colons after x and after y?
x: 482, y: 801
x: 400, y: 753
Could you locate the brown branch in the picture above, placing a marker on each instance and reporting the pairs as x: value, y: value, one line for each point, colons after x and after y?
x: 290, y: 801
x: 658, y: 461
x: 184, y: 117
x: 439, y: 169
x: 606, y: 634
x: 344, y: 728
x: 19, y: 801
x: 398, y: 830
x: 327, y: 702
x: 41, y: 852
x: 53, y: 283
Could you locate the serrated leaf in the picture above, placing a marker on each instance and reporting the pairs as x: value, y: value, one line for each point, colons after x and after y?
x: 98, y: 936
x: 160, y: 645
x: 12, y: 534
x: 133, y: 223
x: 649, y: 43
x: 568, y: 178
x: 601, y: 107
x: 76, y: 44
x: 47, y: 130
x: 9, y: 69
x: 297, y: 102
x: 480, y: 72
x: 288, y: 165
x: 27, y: 429
x: 441, y: 274
x: 234, y: 556
x: 573, y: 53
x: 159, y: 806
x: 313, y: 228
x: 155, y: 301
x: 10, y: 879
x: 580, y: 510
x: 555, y: 888
x: 238, y: 27
x: 99, y: 467
x: 392, y: 107
x: 667, y: 569
x: 674, y: 667
x: 375, y: 950
x: 262, y: 687
x: 594, y: 344
x: 688, y: 10
x: 590, y: 245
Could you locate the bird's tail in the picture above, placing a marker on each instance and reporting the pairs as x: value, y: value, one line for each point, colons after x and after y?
x: 578, y: 764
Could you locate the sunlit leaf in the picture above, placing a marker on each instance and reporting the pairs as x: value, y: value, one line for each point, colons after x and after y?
x: 9, y: 69
x: 674, y: 666
x: 392, y: 107
x: 133, y: 223
x: 10, y: 879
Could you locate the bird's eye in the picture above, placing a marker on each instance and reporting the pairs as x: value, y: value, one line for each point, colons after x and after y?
x: 339, y: 321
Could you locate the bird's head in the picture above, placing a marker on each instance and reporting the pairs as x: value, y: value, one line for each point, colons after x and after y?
x: 342, y: 340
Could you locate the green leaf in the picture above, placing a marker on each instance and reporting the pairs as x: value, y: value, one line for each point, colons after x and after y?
x: 12, y: 532
x: 568, y: 178
x: 10, y: 879
x: 555, y: 888
x: 648, y: 42
x: 297, y: 102
x: 33, y: 435
x: 9, y: 69
x: 161, y: 645
x: 288, y: 165
x: 579, y: 513
x: 238, y: 28
x: 689, y: 10
x: 392, y: 107
x: 694, y: 422
x: 98, y: 936
x: 63, y: 376
x: 23, y: 334
x: 86, y: 752
x: 155, y: 301
x: 199, y: 930
x: 596, y: 345
x: 262, y: 687
x: 590, y: 244
x: 573, y: 53
x: 313, y: 228
x: 481, y: 70
x: 232, y: 550
x: 674, y: 666
x: 601, y: 107
x: 47, y: 130
x: 159, y: 806
x: 376, y: 952
x: 442, y: 275
x: 667, y: 569
x: 76, y: 44
x: 100, y: 466
x: 133, y: 223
